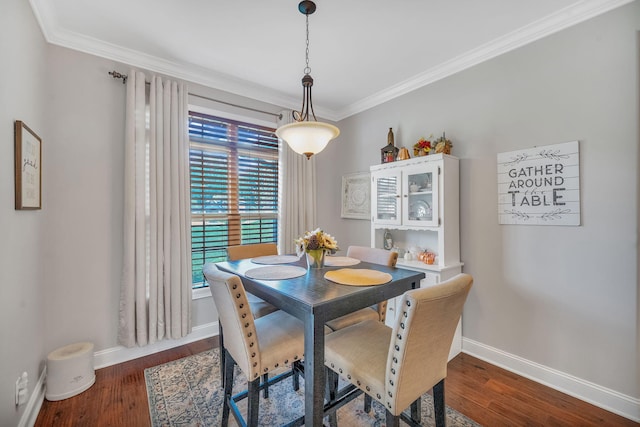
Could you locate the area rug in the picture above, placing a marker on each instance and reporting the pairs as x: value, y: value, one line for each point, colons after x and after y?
x: 187, y: 392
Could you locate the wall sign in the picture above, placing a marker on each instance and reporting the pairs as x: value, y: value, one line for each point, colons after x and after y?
x: 540, y: 186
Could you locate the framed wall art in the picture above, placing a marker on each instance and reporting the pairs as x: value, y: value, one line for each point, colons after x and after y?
x: 28, y: 168
x: 356, y: 196
x: 540, y: 185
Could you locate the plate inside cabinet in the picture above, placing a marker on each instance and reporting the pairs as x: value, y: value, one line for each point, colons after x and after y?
x: 420, y: 209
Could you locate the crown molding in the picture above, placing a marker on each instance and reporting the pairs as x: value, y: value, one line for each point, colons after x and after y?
x: 551, y: 24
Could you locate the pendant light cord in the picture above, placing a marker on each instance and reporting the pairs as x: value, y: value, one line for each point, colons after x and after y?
x: 307, y: 69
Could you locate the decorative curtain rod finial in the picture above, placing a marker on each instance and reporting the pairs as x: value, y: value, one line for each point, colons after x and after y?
x: 117, y: 75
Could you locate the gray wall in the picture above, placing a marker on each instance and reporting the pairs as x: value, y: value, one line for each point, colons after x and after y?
x: 562, y: 297
x: 22, y: 280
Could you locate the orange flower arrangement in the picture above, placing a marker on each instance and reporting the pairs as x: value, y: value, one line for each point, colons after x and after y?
x: 422, y: 146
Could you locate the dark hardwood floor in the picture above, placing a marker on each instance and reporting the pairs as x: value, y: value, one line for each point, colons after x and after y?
x: 483, y: 392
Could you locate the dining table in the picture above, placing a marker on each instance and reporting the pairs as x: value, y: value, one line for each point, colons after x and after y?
x: 315, y: 300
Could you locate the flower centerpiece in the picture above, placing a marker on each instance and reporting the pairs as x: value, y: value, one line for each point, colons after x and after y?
x: 315, y: 244
x: 422, y: 147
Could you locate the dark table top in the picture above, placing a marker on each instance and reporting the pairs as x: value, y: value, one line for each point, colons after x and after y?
x: 313, y: 294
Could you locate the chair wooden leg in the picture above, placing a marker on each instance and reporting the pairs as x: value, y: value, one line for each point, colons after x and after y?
x: 392, y: 421
x: 296, y: 375
x: 416, y: 410
x: 367, y: 403
x: 332, y: 390
x: 253, y: 402
x: 222, y: 355
x: 265, y: 381
x: 228, y: 386
x: 438, y: 404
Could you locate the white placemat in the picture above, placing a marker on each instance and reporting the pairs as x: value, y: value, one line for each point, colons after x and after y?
x: 340, y: 261
x: 275, y: 259
x: 276, y: 272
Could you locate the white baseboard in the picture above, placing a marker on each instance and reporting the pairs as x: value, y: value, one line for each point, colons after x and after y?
x: 120, y: 354
x: 610, y: 400
x: 30, y: 414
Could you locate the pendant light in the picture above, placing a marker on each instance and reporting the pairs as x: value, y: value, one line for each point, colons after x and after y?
x: 305, y: 136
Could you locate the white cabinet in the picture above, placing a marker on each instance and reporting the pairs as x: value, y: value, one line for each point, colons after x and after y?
x: 418, y: 201
x: 405, y: 196
x: 420, y: 195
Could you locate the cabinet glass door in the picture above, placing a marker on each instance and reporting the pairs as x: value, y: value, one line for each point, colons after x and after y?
x: 386, y: 198
x: 420, y: 201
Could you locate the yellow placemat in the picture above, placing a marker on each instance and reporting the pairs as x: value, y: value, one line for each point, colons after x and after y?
x: 358, y: 277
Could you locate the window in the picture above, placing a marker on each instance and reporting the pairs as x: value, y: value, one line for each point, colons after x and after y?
x: 234, y: 187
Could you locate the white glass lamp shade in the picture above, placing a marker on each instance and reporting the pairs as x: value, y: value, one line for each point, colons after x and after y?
x: 307, y: 138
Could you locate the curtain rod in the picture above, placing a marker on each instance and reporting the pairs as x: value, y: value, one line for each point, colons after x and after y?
x: 117, y: 75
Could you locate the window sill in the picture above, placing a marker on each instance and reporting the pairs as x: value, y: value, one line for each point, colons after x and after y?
x: 201, y: 293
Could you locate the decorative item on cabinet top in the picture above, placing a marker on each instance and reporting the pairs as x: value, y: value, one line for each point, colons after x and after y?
x: 432, y: 146
x: 443, y: 145
x: 389, y: 153
x: 422, y: 147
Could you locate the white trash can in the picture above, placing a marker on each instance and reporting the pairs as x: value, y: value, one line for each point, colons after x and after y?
x: 69, y: 371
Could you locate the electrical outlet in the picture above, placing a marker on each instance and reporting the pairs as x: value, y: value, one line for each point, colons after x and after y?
x: 22, y: 389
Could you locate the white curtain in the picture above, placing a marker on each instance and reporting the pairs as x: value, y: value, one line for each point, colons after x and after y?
x: 297, y: 194
x: 155, y: 297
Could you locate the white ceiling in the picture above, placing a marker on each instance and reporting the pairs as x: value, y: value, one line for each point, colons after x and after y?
x: 362, y: 52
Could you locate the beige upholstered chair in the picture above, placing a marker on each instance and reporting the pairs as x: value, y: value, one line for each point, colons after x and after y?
x: 251, y: 251
x: 259, y: 307
x: 378, y: 311
x: 396, y: 367
x: 256, y: 346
